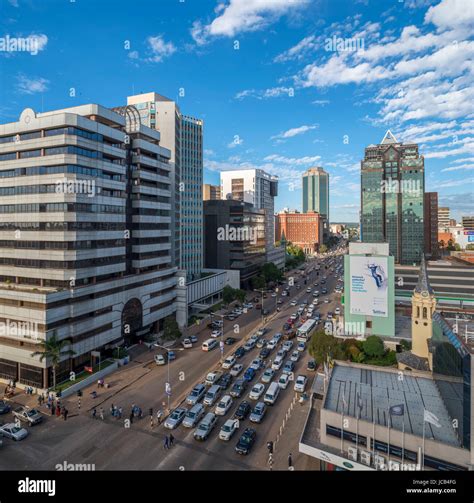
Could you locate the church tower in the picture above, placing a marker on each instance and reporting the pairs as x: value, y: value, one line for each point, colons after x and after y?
x: 423, y: 304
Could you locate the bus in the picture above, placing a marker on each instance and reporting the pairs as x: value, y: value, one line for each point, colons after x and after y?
x: 305, y: 329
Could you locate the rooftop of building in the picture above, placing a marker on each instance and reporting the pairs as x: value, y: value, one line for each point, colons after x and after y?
x: 381, y: 389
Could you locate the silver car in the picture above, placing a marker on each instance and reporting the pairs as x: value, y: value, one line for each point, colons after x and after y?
x: 175, y: 418
x: 193, y: 416
x: 196, y: 394
x: 13, y: 431
x: 28, y: 415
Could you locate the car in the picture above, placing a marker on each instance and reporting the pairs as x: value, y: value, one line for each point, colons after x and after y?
x: 281, y: 353
x: 213, y: 377
x: 274, y: 294
x: 271, y: 344
x: 249, y: 345
x: 301, y: 346
x: 258, y: 412
x: 238, y: 388
x: 277, y: 337
x: 283, y: 381
x: 230, y: 340
x: 236, y: 369
x: 230, y: 317
x: 295, y: 356
x: 27, y: 415
x: 205, y: 427
x: 193, y: 415
x: 287, y: 345
x: 171, y: 355
x: 249, y: 374
x: 223, y: 406
x: 246, y: 441
x: 216, y: 333
x: 261, y: 343
x: 308, y: 290
x: 294, y: 316
x: 175, y: 418
x: 300, y: 383
x: 267, y: 376
x: 243, y: 410
x: 326, y: 301
x: 277, y: 363
x: 279, y: 302
x: 4, y: 407
x: 209, y: 345
x: 160, y: 360
x: 240, y: 352
x: 257, y: 391
x: 228, y: 429
x: 225, y: 380
x: 229, y: 362
x: 216, y: 324
x: 11, y: 430
x: 264, y: 353
x: 288, y: 367
x: 329, y: 316
x: 212, y: 395
x: 337, y: 311
x: 196, y: 394
x: 193, y: 338
x: 256, y: 364
x: 293, y: 303
x: 187, y: 344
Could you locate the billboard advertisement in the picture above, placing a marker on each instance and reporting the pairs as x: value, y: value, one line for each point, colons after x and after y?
x: 369, y: 286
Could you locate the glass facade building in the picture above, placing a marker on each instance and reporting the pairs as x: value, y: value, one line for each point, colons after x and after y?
x: 392, y: 198
x: 316, y: 192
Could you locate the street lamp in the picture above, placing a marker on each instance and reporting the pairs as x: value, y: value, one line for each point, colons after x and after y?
x: 221, y: 345
x: 262, y: 291
x: 168, y: 384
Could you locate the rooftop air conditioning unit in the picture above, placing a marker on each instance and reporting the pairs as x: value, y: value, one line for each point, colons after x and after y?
x: 365, y: 458
x: 379, y: 462
x: 352, y: 453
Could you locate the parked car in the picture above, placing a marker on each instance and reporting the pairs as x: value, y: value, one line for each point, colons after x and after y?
x: 187, y: 344
x: 228, y: 429
x: 258, y: 412
x: 175, y: 418
x: 193, y: 339
x: 246, y: 441
x: 267, y: 376
x: 256, y: 391
x: 225, y: 403
x: 160, y: 360
x: 4, y: 407
x: 238, y: 388
x: 196, y: 394
x: 193, y: 415
x: 236, y: 369
x: 242, y: 411
x: 27, y: 415
x: 300, y: 383
x: 283, y: 381
x: 205, y: 427
x: 11, y: 430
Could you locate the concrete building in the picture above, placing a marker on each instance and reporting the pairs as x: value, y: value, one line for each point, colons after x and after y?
x: 210, y: 192
x: 392, y: 198
x: 85, y: 247
x: 259, y: 189
x: 468, y: 223
x: 443, y: 217
x: 431, y: 225
x: 316, y: 192
x: 302, y: 229
x: 235, y: 237
x: 183, y: 136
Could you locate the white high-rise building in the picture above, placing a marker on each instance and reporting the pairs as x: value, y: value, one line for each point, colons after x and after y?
x: 85, y: 231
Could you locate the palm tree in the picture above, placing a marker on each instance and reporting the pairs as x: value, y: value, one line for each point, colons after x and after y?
x: 53, y: 349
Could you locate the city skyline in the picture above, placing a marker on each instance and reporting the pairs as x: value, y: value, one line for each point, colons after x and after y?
x: 293, y: 86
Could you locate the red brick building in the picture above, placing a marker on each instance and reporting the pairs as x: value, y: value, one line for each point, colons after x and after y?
x: 302, y: 229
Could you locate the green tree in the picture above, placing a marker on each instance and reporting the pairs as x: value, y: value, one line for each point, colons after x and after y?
x: 271, y: 272
x: 228, y: 294
x: 171, y: 330
x: 373, y: 346
x: 258, y: 282
x: 323, y: 248
x: 323, y: 345
x: 240, y: 295
x: 53, y: 349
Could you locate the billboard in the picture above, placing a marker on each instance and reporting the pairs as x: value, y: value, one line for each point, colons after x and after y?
x: 369, y: 285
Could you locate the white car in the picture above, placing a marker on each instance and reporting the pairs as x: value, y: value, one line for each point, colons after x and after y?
x: 229, y: 362
x: 187, y: 344
x: 301, y: 346
x: 160, y: 360
x: 256, y: 391
x: 274, y: 294
x: 287, y: 345
x: 267, y: 376
x: 283, y: 381
x: 277, y: 363
x: 256, y: 364
x: 225, y: 403
x: 293, y: 303
x: 326, y: 301
x: 236, y: 369
x: 271, y: 344
x: 294, y: 317
x: 300, y: 383
x: 337, y: 310
x: 13, y: 431
x: 216, y: 333
x: 295, y: 356
x: 228, y: 429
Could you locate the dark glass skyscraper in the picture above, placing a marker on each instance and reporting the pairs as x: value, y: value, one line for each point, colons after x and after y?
x: 316, y: 192
x: 392, y: 193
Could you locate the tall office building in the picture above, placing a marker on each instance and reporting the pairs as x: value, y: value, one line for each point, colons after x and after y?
x: 443, y: 217
x: 392, y: 193
x: 85, y: 231
x: 258, y: 188
x: 183, y: 136
x: 316, y: 192
x: 431, y: 225
x: 211, y: 192
x: 468, y: 223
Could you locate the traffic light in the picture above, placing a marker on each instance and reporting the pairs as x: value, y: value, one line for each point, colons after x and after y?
x: 150, y: 411
x: 270, y: 447
x: 79, y: 393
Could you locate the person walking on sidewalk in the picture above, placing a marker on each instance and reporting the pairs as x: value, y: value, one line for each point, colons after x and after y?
x: 94, y: 413
x: 65, y: 413
x: 171, y: 439
x: 290, y: 462
x: 166, y: 444
x: 119, y: 413
x: 101, y: 413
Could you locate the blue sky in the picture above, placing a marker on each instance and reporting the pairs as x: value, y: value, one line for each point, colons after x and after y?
x: 265, y: 76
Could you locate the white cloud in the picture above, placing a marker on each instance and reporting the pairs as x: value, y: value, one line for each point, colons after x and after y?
x: 159, y: 48
x: 320, y: 102
x: 239, y: 16
x: 305, y: 45
x: 293, y: 161
x: 451, y: 13
x: 461, y: 167
x: 27, y: 85
x: 290, y: 133
x: 272, y: 92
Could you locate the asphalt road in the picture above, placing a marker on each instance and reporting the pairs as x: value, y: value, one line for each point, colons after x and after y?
x: 109, y: 444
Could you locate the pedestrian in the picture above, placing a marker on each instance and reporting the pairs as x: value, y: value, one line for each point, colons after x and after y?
x: 131, y: 417
x: 101, y: 413
x: 119, y: 413
x: 112, y: 410
x: 65, y: 413
x: 94, y: 413
x: 290, y: 461
x: 159, y: 415
x: 167, y: 442
x: 53, y: 409
x: 171, y: 439
x: 58, y: 410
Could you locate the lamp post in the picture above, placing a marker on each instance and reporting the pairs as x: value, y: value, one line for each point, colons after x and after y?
x: 221, y: 345
x: 168, y: 384
x: 261, y: 291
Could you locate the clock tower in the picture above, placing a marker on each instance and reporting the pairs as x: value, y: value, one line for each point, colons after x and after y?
x: 423, y: 304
